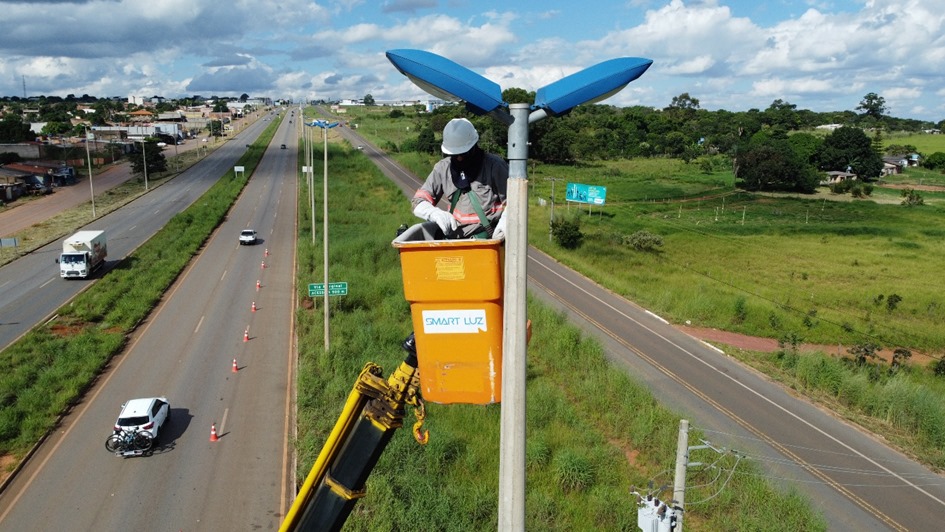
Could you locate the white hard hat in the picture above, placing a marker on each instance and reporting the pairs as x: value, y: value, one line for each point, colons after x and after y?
x: 459, y: 136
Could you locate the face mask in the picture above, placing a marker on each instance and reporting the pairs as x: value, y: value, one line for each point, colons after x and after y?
x: 464, y: 168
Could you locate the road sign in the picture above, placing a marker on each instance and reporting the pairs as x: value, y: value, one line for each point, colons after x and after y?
x: 334, y: 289
x: 586, y: 193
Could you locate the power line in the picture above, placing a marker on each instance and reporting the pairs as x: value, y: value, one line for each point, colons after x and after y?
x: 803, y: 448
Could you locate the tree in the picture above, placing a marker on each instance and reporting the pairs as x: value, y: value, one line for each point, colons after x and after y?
x: 56, y: 128
x: 848, y: 148
x: 873, y: 105
x: 152, y: 154
x: 936, y: 161
x: 426, y: 141
x: 244, y: 97
x: 783, y: 115
x: 773, y: 165
x: 368, y: 99
x: 899, y: 358
x: 553, y: 142
x: 220, y: 107
x: 215, y: 127
x: 684, y: 101
x: 13, y: 130
x: 862, y: 353
x: 911, y: 198
x: 517, y: 95
x: 567, y: 232
x: 805, y: 146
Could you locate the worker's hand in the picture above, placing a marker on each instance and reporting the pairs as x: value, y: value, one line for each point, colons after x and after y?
x: 499, y: 232
x: 445, y: 220
x: 441, y: 218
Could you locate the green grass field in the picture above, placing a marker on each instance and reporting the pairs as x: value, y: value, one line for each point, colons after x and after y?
x: 926, y: 144
x: 592, y: 431
x: 816, y: 267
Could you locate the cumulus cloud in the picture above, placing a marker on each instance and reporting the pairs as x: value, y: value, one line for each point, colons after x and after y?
x: 729, y: 57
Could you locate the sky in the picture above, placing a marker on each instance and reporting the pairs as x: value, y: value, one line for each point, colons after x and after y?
x: 821, y: 55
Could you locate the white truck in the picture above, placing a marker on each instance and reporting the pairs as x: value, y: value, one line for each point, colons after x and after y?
x: 82, y: 253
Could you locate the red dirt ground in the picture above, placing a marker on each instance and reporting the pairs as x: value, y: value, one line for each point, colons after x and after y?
x: 768, y: 345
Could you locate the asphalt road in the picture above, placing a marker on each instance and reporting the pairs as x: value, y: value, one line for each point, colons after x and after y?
x: 185, y: 351
x: 30, y: 287
x: 857, y: 481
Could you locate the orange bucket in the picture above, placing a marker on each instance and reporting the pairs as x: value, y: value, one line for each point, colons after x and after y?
x: 454, y: 288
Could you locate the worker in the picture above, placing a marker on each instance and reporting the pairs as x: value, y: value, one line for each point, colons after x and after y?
x: 474, y: 183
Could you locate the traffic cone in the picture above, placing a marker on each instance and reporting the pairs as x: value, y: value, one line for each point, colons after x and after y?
x: 254, y: 306
x: 213, y: 432
x: 235, y: 367
x: 246, y: 335
x: 257, y: 285
x: 266, y: 254
x: 263, y: 266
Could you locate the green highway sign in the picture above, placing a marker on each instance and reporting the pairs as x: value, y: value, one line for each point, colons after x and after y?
x: 334, y: 289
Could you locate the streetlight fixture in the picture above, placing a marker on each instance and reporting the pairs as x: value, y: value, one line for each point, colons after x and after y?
x: 445, y: 79
x: 88, y: 154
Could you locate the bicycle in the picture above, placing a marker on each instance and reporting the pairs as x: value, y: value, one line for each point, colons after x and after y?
x: 129, y: 442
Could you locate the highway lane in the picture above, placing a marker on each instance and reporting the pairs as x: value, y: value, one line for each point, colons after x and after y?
x: 850, y: 475
x: 30, y: 288
x: 185, y: 351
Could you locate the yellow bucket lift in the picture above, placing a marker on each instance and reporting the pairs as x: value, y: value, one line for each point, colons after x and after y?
x: 454, y: 288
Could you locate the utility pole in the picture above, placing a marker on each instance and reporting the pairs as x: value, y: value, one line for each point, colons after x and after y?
x: 682, y: 462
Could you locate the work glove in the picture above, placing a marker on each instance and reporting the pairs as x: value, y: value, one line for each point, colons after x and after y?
x: 444, y: 220
x: 499, y: 232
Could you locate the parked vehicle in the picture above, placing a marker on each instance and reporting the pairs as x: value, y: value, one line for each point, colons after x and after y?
x: 82, y: 253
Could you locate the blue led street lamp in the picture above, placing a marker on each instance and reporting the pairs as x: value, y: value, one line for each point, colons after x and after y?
x: 445, y: 79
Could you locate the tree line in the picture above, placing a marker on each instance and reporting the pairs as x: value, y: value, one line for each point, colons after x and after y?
x: 778, y: 148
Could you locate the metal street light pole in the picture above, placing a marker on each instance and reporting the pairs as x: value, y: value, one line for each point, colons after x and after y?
x: 88, y: 154
x: 144, y: 158
x: 311, y: 177
x: 325, y: 125
x: 325, y: 230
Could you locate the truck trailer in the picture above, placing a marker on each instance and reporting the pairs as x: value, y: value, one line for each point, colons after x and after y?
x: 82, y: 254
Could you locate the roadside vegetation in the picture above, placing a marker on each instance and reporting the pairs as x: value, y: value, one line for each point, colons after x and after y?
x: 48, y: 370
x: 593, y: 432
x: 827, y: 268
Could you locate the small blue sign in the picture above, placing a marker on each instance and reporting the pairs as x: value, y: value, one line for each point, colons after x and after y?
x: 586, y: 193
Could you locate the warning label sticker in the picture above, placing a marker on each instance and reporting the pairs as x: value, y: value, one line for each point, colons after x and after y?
x: 450, y: 268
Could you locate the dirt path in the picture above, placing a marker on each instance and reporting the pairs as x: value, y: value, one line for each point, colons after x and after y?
x: 769, y: 345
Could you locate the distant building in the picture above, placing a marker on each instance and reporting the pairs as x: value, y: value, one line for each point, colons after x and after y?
x: 837, y: 177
